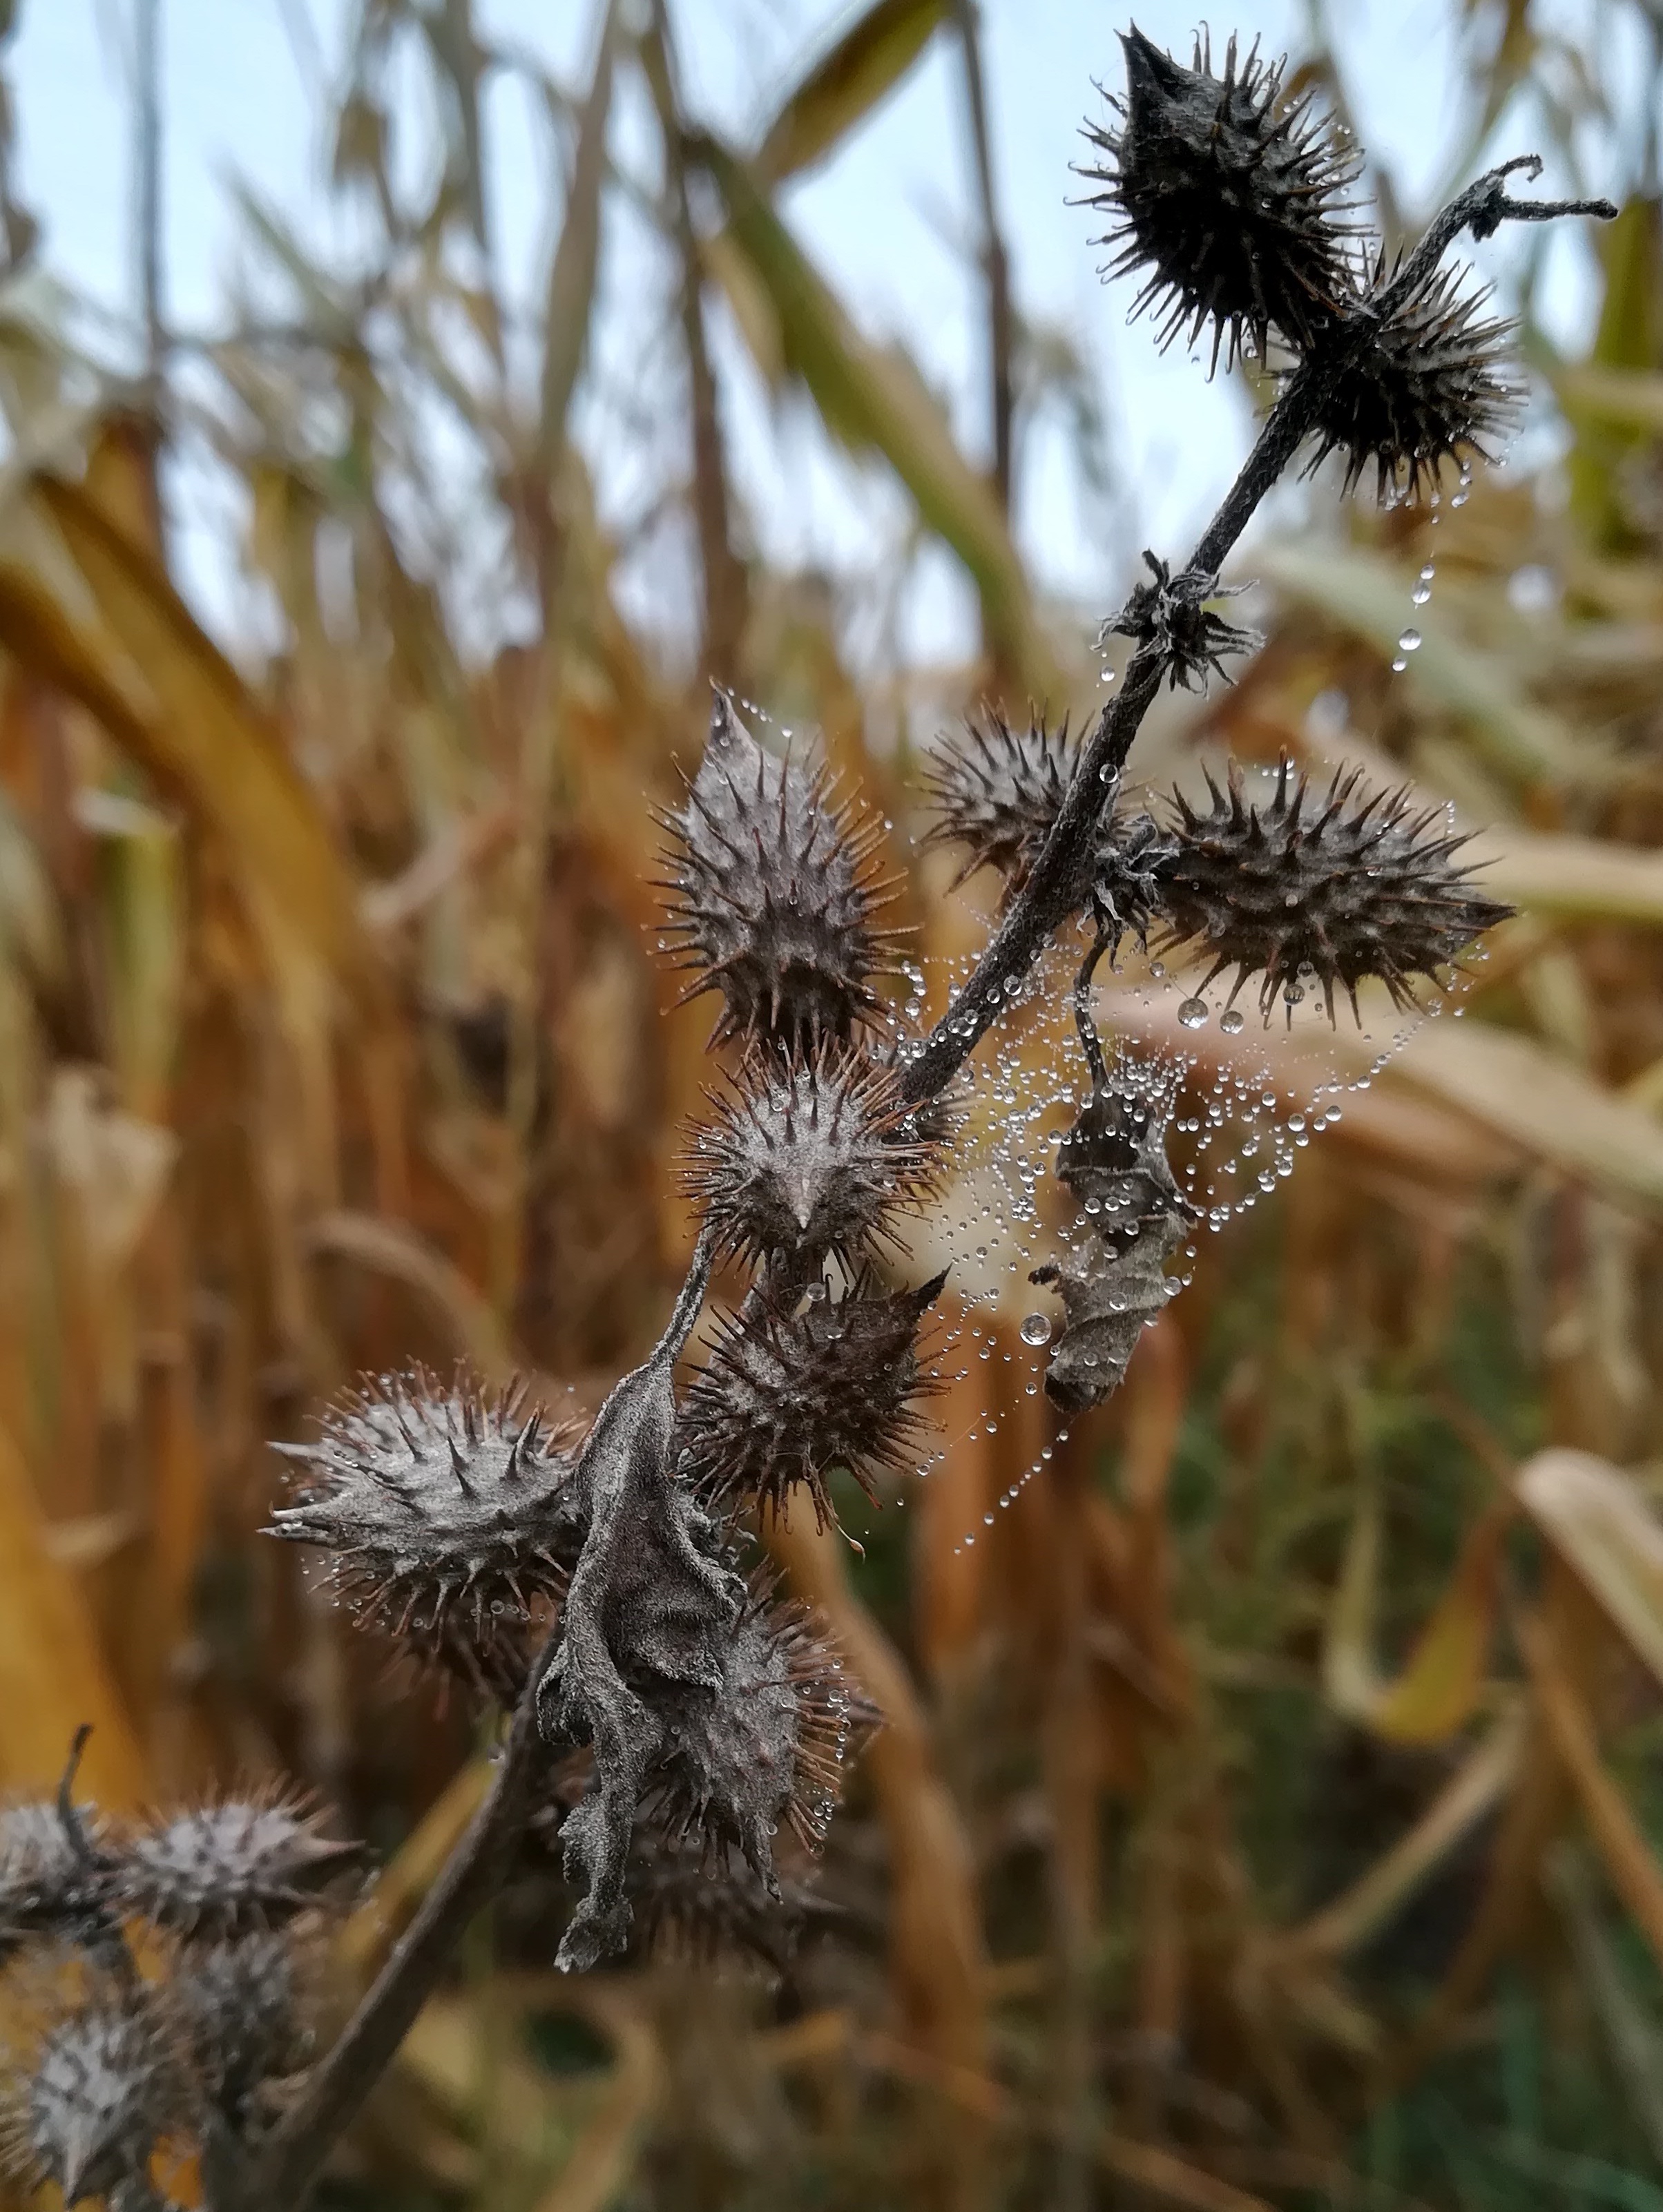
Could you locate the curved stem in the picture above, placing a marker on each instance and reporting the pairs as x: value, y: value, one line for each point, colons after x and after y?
x: 1090, y: 1042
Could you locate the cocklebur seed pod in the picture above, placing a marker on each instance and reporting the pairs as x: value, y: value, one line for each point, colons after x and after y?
x: 765, y: 1746
x: 810, y: 1157
x: 774, y: 895
x: 233, y: 1866
x: 785, y: 1399
x: 995, y: 790
x: 1233, y: 200
x: 103, y: 2087
x: 447, y: 1516
x: 54, y: 1881
x: 1310, y: 893
x: 692, y: 1913
x: 1433, y: 385
x: 241, y: 2006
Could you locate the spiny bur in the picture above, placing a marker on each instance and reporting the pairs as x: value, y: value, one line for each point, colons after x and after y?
x: 1231, y: 198
x: 89, y: 2105
x: 774, y: 894
x: 233, y: 1867
x: 1432, y: 385
x: 810, y: 1156
x: 785, y: 1398
x: 447, y: 1516
x: 1308, y: 893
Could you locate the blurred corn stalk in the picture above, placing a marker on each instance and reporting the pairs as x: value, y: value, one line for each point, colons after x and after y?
x: 330, y: 1039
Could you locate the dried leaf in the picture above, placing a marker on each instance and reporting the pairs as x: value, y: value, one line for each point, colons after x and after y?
x: 872, y: 398
x: 42, y: 1705
x: 1600, y: 1522
x: 1368, y: 596
x: 843, y: 87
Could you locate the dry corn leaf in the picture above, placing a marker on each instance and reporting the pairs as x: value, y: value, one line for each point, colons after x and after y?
x: 1369, y: 597
x: 1544, y: 1105
x: 1601, y: 1523
x: 201, y: 735
x: 842, y: 87
x: 1629, y: 1861
x: 53, y: 1677
x: 873, y: 398
x: 1478, y: 1785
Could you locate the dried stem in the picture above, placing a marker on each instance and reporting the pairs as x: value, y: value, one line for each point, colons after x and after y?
x: 724, y: 577
x: 995, y: 263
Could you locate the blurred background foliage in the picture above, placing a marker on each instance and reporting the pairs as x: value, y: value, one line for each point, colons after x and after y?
x: 1270, y: 1812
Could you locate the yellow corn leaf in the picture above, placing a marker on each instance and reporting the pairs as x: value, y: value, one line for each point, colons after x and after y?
x: 1437, y: 1690
x: 846, y: 83
x: 1599, y: 1521
x: 199, y: 730
x: 1368, y: 595
x: 875, y: 399
x: 53, y: 1678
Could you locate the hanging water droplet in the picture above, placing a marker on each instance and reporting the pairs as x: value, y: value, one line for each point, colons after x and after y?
x: 1420, y: 595
x: 1410, y: 642
x: 1233, y: 1021
x: 1398, y: 666
x: 1192, y: 1013
x: 1035, y: 1328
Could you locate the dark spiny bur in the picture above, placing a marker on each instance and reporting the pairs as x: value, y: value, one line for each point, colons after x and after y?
x: 1308, y: 892
x: 1133, y: 1217
x: 55, y: 1880
x: 808, y: 1157
x: 996, y: 791
x: 1431, y: 386
x: 232, y: 1868
x: 765, y: 1746
x: 697, y: 1914
x: 94, y: 2100
x: 774, y: 895
x: 1231, y: 200
x: 784, y: 1400
x: 447, y: 1516
x: 1171, y: 613
x: 241, y: 2006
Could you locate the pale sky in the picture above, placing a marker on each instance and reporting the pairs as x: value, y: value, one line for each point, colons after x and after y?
x: 240, y: 101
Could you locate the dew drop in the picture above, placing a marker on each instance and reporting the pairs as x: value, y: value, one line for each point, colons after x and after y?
x: 1409, y: 642
x: 1036, y: 1329
x: 1192, y: 1013
x: 1233, y: 1021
